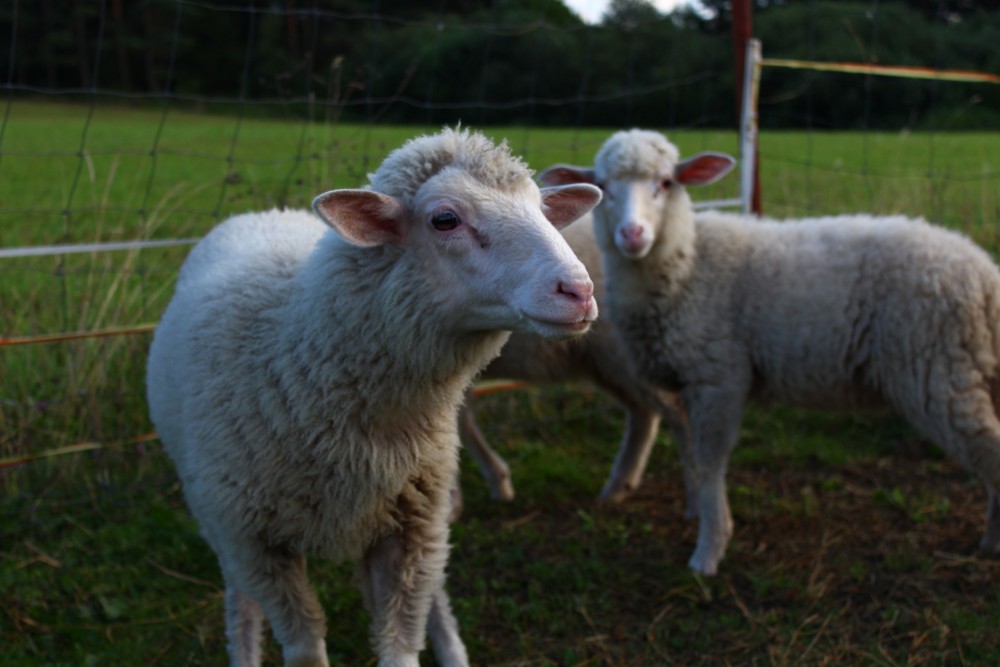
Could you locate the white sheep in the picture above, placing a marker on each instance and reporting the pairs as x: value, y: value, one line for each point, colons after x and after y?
x: 836, y: 313
x: 597, y: 358
x: 306, y: 381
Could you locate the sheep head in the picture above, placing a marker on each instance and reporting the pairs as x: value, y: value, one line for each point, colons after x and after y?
x: 643, y: 180
x: 488, y: 246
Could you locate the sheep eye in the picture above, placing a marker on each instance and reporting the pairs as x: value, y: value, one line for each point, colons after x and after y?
x: 445, y: 221
x: 666, y: 183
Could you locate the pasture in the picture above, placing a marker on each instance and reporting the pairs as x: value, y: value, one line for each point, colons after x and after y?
x: 855, y: 540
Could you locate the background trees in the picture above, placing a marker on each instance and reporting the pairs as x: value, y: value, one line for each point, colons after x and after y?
x: 509, y: 61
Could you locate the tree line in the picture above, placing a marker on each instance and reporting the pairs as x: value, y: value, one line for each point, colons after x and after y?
x: 508, y: 61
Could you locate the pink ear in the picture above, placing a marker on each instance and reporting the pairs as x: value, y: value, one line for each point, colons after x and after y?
x: 562, y: 204
x: 363, y: 217
x: 564, y: 174
x: 703, y: 168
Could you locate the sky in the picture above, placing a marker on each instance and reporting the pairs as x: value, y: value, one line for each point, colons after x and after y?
x: 592, y: 10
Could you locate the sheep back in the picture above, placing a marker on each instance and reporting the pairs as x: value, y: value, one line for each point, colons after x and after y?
x: 839, y: 310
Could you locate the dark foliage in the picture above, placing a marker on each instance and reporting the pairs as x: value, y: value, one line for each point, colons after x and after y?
x: 506, y: 61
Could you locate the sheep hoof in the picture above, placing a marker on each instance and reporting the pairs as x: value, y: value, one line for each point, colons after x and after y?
x: 399, y: 661
x: 614, y: 493
x: 502, y: 490
x: 307, y: 659
x: 454, y: 656
x: 990, y: 544
x: 704, y: 565
x: 316, y: 662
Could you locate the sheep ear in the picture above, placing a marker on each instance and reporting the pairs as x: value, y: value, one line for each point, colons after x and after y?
x: 363, y: 217
x: 562, y: 204
x: 703, y: 168
x: 564, y: 174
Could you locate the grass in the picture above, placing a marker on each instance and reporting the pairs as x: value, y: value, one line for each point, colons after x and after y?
x: 105, y: 565
x: 950, y: 179
x: 854, y: 542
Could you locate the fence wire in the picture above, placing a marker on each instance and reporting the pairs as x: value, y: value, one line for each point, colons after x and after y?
x: 115, y: 154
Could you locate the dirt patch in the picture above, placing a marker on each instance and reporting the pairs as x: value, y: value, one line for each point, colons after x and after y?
x: 861, y: 564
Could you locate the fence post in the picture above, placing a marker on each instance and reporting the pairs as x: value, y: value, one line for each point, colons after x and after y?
x: 746, y: 83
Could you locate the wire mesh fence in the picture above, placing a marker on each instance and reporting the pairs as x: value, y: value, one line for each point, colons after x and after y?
x: 128, y: 129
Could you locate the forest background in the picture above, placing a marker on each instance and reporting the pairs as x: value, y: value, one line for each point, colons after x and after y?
x: 378, y: 61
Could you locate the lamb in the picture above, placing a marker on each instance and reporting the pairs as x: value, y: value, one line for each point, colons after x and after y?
x: 306, y: 381
x: 840, y: 312
x: 596, y: 358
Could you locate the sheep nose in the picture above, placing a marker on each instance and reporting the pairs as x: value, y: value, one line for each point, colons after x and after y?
x: 579, y: 290
x: 630, y: 231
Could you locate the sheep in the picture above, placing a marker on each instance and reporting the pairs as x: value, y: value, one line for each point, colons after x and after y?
x: 842, y: 312
x: 306, y: 376
x: 596, y: 358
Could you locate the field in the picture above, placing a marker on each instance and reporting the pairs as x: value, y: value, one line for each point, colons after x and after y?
x: 855, y: 540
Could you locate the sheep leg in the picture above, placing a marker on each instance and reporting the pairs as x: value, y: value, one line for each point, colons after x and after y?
x: 715, y: 416
x: 672, y: 411
x: 279, y: 585
x: 967, y: 426
x: 402, y: 579
x: 494, y: 469
x: 983, y: 460
x: 641, y: 425
x: 642, y: 422
x: 397, y: 643
x: 991, y: 539
x: 244, y: 620
x: 687, y: 470
x: 442, y: 628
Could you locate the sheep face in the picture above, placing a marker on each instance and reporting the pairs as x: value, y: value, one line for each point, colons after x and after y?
x: 644, y: 188
x: 493, y: 256
x: 631, y: 219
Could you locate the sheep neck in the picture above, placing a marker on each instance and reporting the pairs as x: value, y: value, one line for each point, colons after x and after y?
x: 380, y: 344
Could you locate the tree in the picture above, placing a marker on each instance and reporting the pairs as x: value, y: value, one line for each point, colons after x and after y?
x: 627, y: 14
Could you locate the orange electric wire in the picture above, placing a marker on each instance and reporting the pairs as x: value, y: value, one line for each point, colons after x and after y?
x: 903, y: 71
x: 76, y: 335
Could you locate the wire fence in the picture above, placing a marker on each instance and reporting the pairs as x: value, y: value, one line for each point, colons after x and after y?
x: 111, y: 168
x: 114, y: 159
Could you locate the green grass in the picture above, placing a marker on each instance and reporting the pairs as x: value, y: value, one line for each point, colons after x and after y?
x: 855, y: 539
x: 951, y: 178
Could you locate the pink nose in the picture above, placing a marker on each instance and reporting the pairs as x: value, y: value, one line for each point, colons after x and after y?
x: 630, y: 232
x: 581, y: 291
